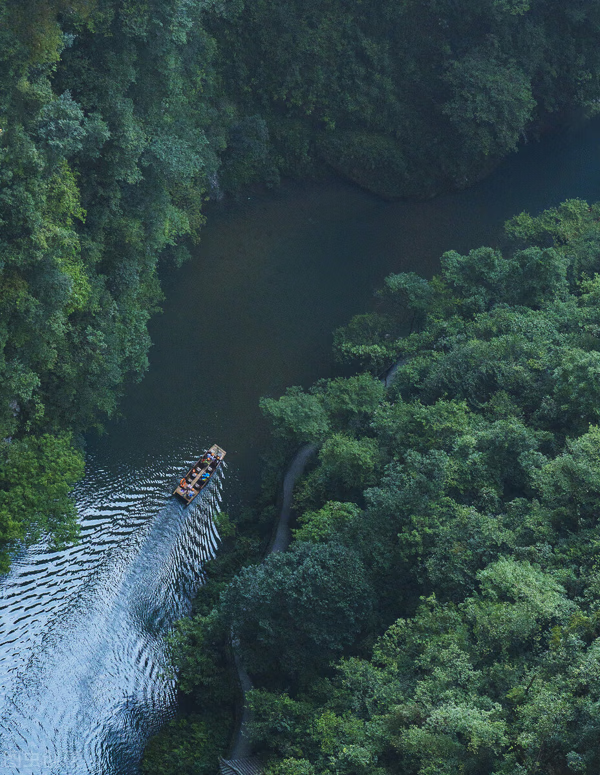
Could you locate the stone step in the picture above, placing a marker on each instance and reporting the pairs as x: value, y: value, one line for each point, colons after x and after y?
x: 249, y: 766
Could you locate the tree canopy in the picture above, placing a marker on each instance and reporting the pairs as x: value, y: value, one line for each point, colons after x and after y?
x: 107, y: 144
x: 466, y: 495
x: 406, y: 98
x: 119, y: 118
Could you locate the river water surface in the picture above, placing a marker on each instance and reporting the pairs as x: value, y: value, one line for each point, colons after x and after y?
x: 83, y: 668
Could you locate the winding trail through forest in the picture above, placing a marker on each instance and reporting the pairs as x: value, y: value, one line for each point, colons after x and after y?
x: 241, y: 750
x: 295, y: 470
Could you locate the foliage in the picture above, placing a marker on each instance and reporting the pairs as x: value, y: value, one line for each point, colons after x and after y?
x: 36, y: 477
x: 474, y: 478
x: 176, y: 750
x: 109, y: 136
x: 405, y: 98
x: 296, y: 414
x: 447, y: 538
x: 326, y: 523
x: 369, y: 340
x: 296, y: 611
x: 119, y: 117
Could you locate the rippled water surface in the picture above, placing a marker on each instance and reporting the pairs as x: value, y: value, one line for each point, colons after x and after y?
x: 83, y: 679
x: 83, y: 659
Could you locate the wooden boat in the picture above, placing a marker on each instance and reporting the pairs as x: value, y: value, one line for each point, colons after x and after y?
x: 196, y: 480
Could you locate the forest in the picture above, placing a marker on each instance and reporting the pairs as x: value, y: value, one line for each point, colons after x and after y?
x: 437, y: 611
x: 120, y: 118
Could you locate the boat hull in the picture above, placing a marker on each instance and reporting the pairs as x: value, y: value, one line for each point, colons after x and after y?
x: 192, y: 484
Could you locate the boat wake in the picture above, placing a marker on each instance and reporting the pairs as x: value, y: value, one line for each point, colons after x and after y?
x: 84, y: 671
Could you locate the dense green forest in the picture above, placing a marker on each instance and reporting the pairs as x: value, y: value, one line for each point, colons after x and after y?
x: 439, y: 608
x: 108, y: 140
x: 405, y: 97
x: 118, y: 118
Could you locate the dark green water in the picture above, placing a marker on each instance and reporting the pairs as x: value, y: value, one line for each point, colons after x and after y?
x: 82, y: 681
x: 276, y: 273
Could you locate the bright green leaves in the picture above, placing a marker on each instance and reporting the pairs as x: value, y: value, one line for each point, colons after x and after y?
x: 515, y: 7
x: 569, y: 485
x: 326, y: 523
x: 485, y: 278
x: 454, y: 734
x: 350, y: 402
x: 291, y: 767
x: 412, y: 425
x: 518, y: 602
x: 349, y: 462
x: 577, y: 387
x: 556, y: 226
x: 36, y: 478
x: 519, y: 582
x: 298, y: 415
x: 370, y: 341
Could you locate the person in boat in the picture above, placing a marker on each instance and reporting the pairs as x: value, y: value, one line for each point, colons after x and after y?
x: 205, y: 476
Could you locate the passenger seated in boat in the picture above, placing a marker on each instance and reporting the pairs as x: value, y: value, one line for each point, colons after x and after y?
x: 205, y: 476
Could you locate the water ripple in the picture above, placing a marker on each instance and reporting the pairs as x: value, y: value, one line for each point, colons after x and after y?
x: 83, y: 665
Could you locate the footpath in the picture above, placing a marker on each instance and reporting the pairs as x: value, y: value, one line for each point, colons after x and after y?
x: 240, y: 760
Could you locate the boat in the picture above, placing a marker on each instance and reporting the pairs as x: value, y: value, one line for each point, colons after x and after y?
x: 196, y: 480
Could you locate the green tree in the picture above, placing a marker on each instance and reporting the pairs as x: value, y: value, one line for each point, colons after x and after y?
x: 327, y: 523
x: 297, y: 415
x: 36, y: 478
x: 297, y: 610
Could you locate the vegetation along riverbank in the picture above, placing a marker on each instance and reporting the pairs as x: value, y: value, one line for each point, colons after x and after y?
x: 119, y: 118
x: 438, y: 608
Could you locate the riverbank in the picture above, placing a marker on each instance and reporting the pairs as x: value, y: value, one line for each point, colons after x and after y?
x: 283, y: 270
x: 213, y: 718
x: 425, y: 530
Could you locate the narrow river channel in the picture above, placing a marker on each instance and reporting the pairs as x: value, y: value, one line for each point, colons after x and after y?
x: 83, y: 678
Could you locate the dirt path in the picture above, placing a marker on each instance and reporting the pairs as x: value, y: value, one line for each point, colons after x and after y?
x: 295, y: 470
x: 241, y: 748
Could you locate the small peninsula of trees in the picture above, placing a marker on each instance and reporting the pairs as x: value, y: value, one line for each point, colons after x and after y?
x: 439, y: 608
x: 404, y: 97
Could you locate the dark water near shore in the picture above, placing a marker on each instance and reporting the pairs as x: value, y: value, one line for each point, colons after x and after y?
x: 82, y: 662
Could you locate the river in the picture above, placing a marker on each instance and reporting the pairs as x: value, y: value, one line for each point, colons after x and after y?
x: 83, y: 678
